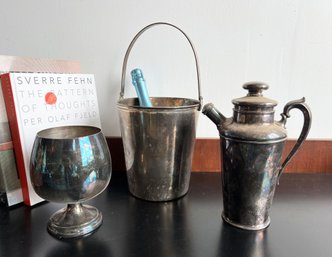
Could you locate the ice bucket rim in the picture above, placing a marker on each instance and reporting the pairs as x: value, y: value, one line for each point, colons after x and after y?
x: 190, y: 103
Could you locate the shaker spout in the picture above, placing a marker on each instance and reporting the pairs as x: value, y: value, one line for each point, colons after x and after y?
x: 213, y: 114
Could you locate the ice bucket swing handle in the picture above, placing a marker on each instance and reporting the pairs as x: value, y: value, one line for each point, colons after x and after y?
x: 125, y: 61
x: 304, y: 108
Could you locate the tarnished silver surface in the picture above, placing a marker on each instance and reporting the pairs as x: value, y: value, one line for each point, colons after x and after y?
x: 252, y: 144
x: 158, y: 141
x: 158, y: 144
x: 70, y: 165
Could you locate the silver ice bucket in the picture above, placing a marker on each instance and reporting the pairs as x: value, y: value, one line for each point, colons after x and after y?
x: 158, y: 141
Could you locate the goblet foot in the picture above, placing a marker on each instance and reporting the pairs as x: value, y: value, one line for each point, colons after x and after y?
x: 74, y: 221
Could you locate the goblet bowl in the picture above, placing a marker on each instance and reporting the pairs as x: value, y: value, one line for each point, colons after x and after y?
x: 70, y: 165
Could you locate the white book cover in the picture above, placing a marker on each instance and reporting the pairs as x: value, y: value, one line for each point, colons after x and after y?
x: 37, y: 101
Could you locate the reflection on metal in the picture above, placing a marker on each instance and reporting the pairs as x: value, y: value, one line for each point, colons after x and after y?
x: 71, y: 165
x: 248, y: 243
x: 252, y: 144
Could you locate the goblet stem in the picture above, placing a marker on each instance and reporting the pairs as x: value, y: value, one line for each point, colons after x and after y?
x: 75, y: 220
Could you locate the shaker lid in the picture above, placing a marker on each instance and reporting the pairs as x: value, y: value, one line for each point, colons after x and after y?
x: 255, y: 96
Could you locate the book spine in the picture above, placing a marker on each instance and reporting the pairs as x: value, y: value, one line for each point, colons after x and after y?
x: 12, y: 118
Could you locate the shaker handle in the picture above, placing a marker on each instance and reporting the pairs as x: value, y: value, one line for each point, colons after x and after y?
x: 124, y: 66
x: 304, y: 108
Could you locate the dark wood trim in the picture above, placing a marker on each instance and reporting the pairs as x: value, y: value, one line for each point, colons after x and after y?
x: 315, y: 156
x: 117, y: 153
x: 207, y: 155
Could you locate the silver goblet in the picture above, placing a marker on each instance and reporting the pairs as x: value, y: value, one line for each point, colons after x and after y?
x: 70, y: 165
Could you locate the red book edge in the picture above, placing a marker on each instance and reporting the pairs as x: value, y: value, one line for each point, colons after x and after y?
x: 12, y: 118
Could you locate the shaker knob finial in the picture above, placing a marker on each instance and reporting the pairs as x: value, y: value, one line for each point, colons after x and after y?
x: 255, y: 88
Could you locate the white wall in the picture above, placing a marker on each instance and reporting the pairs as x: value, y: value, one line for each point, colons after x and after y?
x: 286, y: 43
